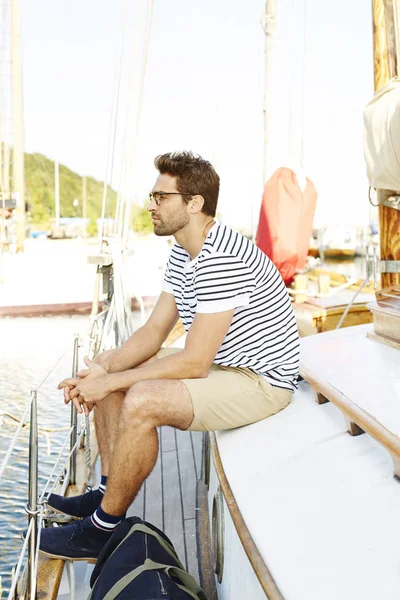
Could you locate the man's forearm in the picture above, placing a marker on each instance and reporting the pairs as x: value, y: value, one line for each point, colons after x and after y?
x: 141, y: 345
x: 177, y: 366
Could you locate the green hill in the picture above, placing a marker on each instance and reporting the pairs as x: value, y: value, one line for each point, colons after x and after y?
x: 40, y: 195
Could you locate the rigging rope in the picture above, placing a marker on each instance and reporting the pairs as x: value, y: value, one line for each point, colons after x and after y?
x: 89, y: 474
x: 55, y: 467
x: 148, y: 26
x: 113, y: 124
x: 131, y: 130
x: 11, y: 594
x: 303, y: 84
x: 291, y: 77
x: 121, y: 195
x: 52, y: 369
x: 14, y: 439
x: 350, y: 304
x: 63, y: 469
x: 42, y: 430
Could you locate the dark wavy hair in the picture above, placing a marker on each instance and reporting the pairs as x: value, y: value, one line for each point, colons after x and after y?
x: 194, y: 175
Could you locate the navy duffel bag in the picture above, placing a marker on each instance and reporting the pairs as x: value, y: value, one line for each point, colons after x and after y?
x: 140, y: 563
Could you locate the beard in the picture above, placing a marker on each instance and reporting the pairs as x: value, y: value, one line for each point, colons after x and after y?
x: 171, y: 225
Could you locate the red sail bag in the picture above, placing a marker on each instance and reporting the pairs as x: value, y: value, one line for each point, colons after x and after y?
x: 286, y: 222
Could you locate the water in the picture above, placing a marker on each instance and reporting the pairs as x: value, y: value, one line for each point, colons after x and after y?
x: 29, y: 349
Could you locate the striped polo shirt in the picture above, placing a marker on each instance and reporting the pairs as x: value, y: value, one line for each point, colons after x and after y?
x: 231, y: 272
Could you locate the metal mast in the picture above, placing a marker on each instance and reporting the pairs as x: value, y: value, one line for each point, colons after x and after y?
x: 18, y: 155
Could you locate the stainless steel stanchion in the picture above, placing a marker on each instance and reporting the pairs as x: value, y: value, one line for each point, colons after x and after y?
x: 74, y: 416
x: 32, y: 507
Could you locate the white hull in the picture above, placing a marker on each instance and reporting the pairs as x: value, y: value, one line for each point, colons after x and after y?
x: 239, y: 580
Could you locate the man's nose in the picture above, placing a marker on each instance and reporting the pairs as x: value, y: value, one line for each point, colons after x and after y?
x: 151, y: 205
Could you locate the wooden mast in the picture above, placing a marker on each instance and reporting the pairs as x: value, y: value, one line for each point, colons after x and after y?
x: 385, y: 67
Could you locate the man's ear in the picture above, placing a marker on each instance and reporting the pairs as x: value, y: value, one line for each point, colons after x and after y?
x: 196, y: 203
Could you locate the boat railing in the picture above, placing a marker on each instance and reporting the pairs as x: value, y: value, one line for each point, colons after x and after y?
x: 22, y: 420
x: 62, y: 474
x: 30, y: 406
x: 108, y: 329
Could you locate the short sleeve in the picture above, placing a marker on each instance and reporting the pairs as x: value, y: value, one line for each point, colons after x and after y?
x: 167, y: 281
x: 223, y: 282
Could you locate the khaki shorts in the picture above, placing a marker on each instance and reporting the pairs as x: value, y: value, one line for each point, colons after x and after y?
x: 231, y: 397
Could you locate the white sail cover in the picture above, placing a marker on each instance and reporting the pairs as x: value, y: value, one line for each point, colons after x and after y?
x: 382, y: 137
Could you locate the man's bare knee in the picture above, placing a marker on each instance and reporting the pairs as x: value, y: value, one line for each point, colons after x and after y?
x: 140, y: 404
x: 159, y: 402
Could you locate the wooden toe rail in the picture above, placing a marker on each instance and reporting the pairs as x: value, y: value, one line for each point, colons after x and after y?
x: 358, y: 420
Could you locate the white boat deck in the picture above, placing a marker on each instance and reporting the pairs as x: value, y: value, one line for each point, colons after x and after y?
x: 362, y: 369
x: 322, y: 506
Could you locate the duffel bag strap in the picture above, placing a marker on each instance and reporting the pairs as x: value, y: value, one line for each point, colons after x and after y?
x: 189, y: 584
x: 144, y: 529
x: 167, y: 547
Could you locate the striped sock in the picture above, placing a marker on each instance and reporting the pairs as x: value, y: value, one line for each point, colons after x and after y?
x: 103, y: 484
x: 104, y: 521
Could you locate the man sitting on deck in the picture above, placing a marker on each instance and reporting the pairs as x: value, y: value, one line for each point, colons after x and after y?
x: 239, y: 364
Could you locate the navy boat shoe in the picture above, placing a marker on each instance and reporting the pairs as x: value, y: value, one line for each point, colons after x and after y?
x: 76, y: 506
x: 81, y: 541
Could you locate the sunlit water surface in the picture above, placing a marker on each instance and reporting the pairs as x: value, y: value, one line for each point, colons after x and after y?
x: 29, y: 350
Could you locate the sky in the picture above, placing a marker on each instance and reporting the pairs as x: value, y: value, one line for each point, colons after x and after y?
x: 204, y: 91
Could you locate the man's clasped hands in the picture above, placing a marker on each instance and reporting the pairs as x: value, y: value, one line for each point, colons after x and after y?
x: 88, y: 387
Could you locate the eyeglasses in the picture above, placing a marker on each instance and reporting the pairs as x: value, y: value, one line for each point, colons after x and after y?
x: 158, y: 196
